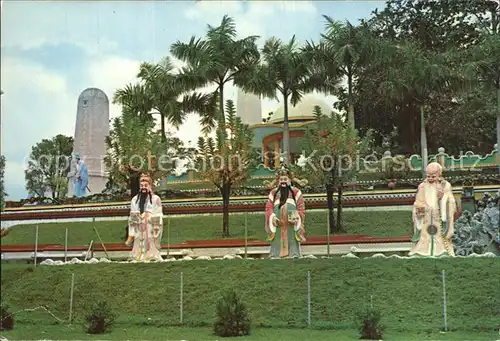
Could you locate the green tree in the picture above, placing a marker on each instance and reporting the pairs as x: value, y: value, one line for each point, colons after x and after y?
x: 136, y: 99
x: 485, y: 62
x: 418, y: 78
x: 219, y: 58
x: 134, y: 146
x: 333, y: 147
x: 460, y: 120
x: 170, y: 98
x: 225, y: 161
x: 435, y: 25
x: 48, y: 167
x: 342, y: 53
x: 284, y: 71
x: 2, y: 182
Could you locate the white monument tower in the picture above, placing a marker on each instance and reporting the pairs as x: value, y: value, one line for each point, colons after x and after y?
x: 248, y: 107
x: 91, y: 129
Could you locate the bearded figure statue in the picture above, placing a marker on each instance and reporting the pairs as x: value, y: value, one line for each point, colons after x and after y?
x: 433, y: 215
x: 285, y: 215
x: 145, y: 225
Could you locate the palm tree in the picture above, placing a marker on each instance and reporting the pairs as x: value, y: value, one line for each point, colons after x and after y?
x: 136, y: 99
x: 284, y: 70
x: 484, y: 68
x: 219, y: 58
x: 342, y: 52
x: 225, y: 162
x: 171, y: 97
x: 418, y: 77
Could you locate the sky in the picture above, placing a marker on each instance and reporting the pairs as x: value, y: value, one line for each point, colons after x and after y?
x: 52, y: 51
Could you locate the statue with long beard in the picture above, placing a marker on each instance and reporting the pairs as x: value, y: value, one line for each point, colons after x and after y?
x: 145, y: 226
x: 285, y: 215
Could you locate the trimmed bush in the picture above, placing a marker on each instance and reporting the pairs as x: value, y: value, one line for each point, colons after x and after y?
x: 232, y: 316
x: 370, y: 329
x: 6, y: 319
x: 99, y: 318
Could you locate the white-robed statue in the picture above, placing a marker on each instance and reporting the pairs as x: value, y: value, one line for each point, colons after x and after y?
x: 79, y: 176
x: 433, y: 215
x: 145, y: 222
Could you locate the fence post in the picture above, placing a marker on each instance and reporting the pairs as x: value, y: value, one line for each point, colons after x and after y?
x: 168, y: 238
x: 309, y: 299
x: 328, y: 233
x: 246, y: 234
x: 182, y: 299
x: 66, y: 246
x: 36, y: 245
x: 71, y: 297
x: 445, y: 323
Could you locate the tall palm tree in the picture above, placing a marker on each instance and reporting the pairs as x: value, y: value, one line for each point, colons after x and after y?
x: 484, y: 67
x: 219, y: 58
x: 418, y: 77
x: 136, y: 99
x: 341, y: 53
x: 284, y: 71
x: 173, y: 99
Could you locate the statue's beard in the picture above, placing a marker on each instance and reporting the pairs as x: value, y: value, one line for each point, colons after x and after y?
x: 143, y: 196
x: 283, y: 195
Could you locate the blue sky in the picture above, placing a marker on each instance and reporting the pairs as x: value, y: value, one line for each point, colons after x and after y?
x: 52, y: 51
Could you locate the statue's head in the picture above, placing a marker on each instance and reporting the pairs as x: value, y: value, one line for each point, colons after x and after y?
x: 434, y: 172
x: 284, y: 178
x: 145, y: 183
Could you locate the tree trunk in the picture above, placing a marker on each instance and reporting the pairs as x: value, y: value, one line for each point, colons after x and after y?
x: 225, y: 192
x: 331, y: 213
x: 498, y: 119
x: 221, y: 104
x: 340, y: 226
x: 423, y: 140
x: 286, y: 130
x: 350, y: 109
x: 163, y: 136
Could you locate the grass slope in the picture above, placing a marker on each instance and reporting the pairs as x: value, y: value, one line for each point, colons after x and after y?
x: 123, y: 332
x: 408, y: 292
x: 375, y: 223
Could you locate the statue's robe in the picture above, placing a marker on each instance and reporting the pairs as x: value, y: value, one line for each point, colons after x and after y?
x: 146, y: 228
x: 287, y: 236
x: 433, y: 231
x: 81, y: 179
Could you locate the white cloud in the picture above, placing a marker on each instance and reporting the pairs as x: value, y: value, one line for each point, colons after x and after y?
x: 37, y: 104
x: 110, y: 73
x: 30, y: 25
x: 253, y: 17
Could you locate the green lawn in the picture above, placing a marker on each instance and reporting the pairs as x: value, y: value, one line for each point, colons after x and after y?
x: 33, y: 332
x: 375, y: 223
x: 146, y: 297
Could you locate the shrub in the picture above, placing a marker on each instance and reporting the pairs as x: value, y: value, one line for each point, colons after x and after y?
x: 6, y: 319
x: 99, y: 318
x: 232, y: 316
x: 370, y: 329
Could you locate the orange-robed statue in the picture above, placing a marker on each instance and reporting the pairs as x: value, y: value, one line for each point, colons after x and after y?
x: 285, y: 216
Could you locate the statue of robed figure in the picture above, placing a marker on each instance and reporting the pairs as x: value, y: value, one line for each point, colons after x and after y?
x: 79, y: 176
x: 145, y: 222
x: 285, y: 216
x: 433, y: 215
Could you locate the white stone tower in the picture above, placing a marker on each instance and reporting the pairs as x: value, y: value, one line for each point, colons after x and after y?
x: 248, y: 107
x: 91, y: 129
